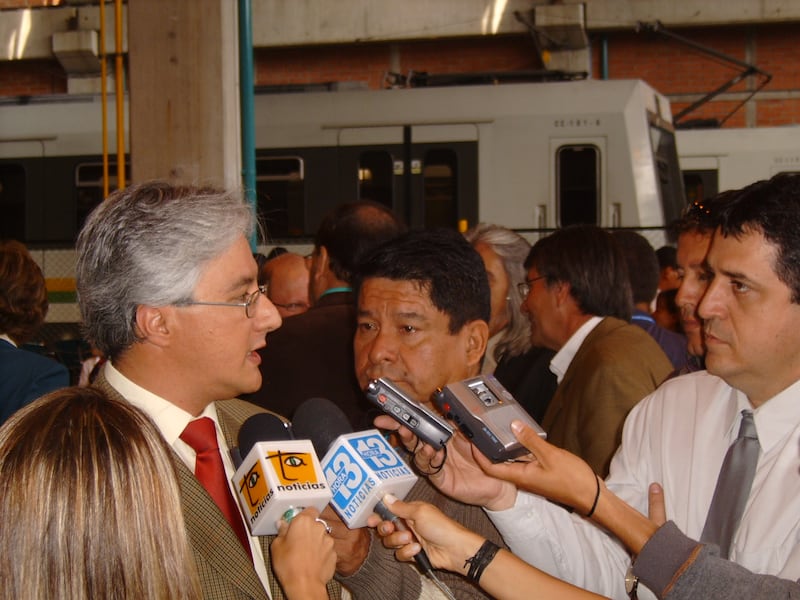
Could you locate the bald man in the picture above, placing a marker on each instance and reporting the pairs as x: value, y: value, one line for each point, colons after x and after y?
x: 286, y: 278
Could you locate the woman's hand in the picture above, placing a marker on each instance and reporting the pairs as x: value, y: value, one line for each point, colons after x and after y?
x: 447, y: 543
x: 551, y: 472
x: 303, y: 557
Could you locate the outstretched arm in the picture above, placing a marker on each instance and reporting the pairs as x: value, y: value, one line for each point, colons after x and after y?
x: 449, y: 546
x: 565, y: 478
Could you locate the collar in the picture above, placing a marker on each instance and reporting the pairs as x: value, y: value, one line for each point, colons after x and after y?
x: 640, y: 315
x: 3, y: 336
x: 563, y: 358
x: 336, y: 290
x: 775, y: 419
x: 170, y: 419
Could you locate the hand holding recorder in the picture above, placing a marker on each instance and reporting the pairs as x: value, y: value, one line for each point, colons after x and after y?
x: 458, y: 475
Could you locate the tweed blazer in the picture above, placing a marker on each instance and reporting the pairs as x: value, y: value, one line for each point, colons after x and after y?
x: 225, y: 569
x: 617, y: 365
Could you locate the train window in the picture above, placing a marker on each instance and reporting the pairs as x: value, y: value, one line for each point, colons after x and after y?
x: 700, y: 184
x: 12, y: 201
x: 280, y: 190
x: 375, y: 177
x: 439, y: 175
x: 89, y: 187
x: 578, y: 180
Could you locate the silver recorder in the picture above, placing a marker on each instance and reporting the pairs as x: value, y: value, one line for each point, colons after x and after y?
x: 426, y: 426
x: 483, y: 410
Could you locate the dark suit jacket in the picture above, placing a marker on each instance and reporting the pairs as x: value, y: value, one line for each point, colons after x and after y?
x: 225, y: 569
x: 25, y: 376
x: 529, y: 379
x: 311, y: 356
x: 673, y: 344
x: 617, y: 365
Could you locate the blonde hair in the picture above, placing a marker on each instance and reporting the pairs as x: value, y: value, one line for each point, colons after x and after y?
x: 90, y: 504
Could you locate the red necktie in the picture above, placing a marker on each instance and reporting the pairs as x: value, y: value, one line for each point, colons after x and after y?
x: 201, y: 435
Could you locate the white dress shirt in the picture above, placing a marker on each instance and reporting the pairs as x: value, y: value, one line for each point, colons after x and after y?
x: 171, y: 421
x: 677, y: 436
x: 563, y: 358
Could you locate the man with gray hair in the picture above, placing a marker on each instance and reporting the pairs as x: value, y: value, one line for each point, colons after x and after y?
x: 522, y: 368
x: 167, y: 289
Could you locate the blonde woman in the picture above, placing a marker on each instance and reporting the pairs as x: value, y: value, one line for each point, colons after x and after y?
x: 90, y: 504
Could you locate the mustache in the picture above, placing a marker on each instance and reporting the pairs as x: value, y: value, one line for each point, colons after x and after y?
x: 689, y: 312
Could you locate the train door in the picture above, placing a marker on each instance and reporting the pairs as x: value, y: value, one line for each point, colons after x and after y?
x: 427, y: 174
x: 577, y: 183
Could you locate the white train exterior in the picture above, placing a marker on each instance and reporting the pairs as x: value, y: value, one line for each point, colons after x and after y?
x: 717, y: 160
x: 528, y: 156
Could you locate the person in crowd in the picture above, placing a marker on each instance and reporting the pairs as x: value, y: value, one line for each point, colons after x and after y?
x: 522, y: 368
x: 275, y: 253
x: 422, y: 324
x: 24, y: 375
x: 578, y: 301
x: 667, y: 314
x: 693, y: 231
x: 323, y: 336
x: 90, y: 503
x: 643, y: 274
x: 668, y: 276
x: 286, y: 280
x: 722, y: 442
x: 181, y: 323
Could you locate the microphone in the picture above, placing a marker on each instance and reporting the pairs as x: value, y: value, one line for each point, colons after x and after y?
x: 263, y: 426
x: 361, y: 468
x: 279, y: 474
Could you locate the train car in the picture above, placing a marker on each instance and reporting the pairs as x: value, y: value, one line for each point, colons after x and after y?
x: 530, y: 156
x: 717, y: 160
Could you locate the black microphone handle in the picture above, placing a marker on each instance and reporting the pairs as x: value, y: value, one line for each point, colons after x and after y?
x: 421, y: 558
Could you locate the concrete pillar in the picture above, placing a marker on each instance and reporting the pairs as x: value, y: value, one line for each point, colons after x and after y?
x: 184, y: 86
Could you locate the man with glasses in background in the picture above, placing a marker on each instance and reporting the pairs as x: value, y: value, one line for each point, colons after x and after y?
x: 578, y: 300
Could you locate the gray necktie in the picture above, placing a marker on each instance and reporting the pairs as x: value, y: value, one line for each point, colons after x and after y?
x: 733, y: 487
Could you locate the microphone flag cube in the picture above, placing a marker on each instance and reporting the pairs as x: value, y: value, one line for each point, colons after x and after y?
x: 275, y: 477
x: 361, y: 468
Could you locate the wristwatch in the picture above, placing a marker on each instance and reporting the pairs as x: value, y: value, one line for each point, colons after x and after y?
x: 631, y: 583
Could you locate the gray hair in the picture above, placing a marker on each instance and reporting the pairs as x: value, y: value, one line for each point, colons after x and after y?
x: 147, y: 245
x: 512, y: 249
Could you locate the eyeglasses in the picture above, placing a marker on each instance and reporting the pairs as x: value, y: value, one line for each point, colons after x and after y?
x: 248, y: 304
x: 524, y: 288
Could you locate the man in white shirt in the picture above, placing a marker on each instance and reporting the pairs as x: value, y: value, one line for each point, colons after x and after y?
x: 167, y: 288
x: 680, y: 434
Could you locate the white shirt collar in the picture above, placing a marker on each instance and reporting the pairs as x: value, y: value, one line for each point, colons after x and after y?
x: 170, y: 419
x: 777, y: 417
x: 563, y: 358
x: 3, y: 336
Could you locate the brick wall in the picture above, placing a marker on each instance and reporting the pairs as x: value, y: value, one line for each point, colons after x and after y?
x: 368, y: 63
x: 674, y: 68
x: 32, y: 77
